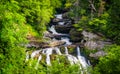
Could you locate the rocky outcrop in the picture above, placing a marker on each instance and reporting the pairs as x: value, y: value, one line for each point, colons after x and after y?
x: 93, y: 41
x: 90, y: 36
x: 65, y: 15
x: 63, y: 28
x: 97, y: 54
x: 44, y: 44
x: 57, y: 20
x: 56, y: 43
x: 92, y: 44
x: 75, y: 35
x: 56, y: 36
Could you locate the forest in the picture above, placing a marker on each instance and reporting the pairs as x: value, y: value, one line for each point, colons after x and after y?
x: 35, y: 39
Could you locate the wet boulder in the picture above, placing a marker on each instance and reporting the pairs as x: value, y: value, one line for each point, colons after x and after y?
x: 56, y: 36
x: 63, y: 28
x: 75, y: 35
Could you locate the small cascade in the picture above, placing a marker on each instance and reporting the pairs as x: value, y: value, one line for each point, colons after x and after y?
x: 61, y: 23
x: 40, y: 57
x: 35, y: 53
x: 81, y: 59
x: 58, y: 16
x: 66, y: 50
x: 48, y: 52
x: 52, y: 29
x: 75, y: 60
x: 67, y: 40
x: 27, y: 56
x: 89, y: 63
x: 48, y: 59
x: 57, y: 51
x: 72, y: 59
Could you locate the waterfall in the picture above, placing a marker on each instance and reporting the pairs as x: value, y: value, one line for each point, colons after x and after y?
x: 48, y: 52
x: 27, y: 56
x: 66, y: 50
x: 61, y: 23
x: 67, y: 40
x: 48, y: 59
x: 59, y: 16
x: 81, y: 59
x: 52, y: 29
x: 58, y: 51
x: 35, y: 53
x: 40, y: 57
x: 72, y: 59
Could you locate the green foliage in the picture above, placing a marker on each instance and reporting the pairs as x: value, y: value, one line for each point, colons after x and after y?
x: 82, y: 24
x: 37, y: 13
x: 57, y: 67
x: 107, y: 22
x: 19, y: 19
x: 99, y: 24
x: 56, y: 3
x: 77, y: 8
x: 11, y: 36
x: 62, y: 69
x: 109, y: 64
x: 113, y: 28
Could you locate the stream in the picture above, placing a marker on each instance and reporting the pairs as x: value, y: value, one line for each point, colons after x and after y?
x: 78, y: 59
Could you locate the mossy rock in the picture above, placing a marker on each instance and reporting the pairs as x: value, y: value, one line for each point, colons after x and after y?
x: 62, y: 49
x: 75, y: 35
x: 43, y: 60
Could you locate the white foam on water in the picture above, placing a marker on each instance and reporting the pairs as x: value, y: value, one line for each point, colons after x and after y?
x: 81, y: 59
x: 67, y: 40
x: 59, y: 16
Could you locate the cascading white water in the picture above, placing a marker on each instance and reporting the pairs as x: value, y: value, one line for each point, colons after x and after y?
x: 59, y: 16
x: 61, y: 23
x: 52, y: 29
x: 81, y: 59
x: 72, y: 59
x: 67, y: 40
x: 27, y: 56
x: 35, y: 53
x: 39, y: 58
x: 48, y: 51
x: 57, y: 51
x: 66, y: 50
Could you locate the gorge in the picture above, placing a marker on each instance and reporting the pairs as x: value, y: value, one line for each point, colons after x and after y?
x: 74, y: 57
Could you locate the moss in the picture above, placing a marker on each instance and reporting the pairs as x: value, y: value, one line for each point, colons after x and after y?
x: 62, y: 49
x: 72, y: 51
x: 63, y: 59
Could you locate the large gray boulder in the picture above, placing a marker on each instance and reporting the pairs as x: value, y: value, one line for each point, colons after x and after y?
x: 37, y: 44
x: 97, y: 54
x: 93, y: 41
x: 56, y: 43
